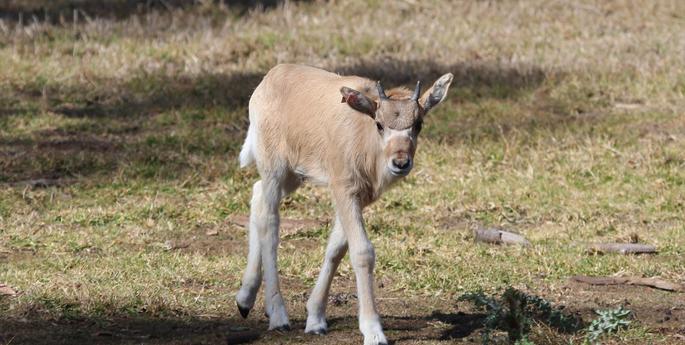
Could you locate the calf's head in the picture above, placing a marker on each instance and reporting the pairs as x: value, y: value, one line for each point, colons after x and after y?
x: 398, y: 119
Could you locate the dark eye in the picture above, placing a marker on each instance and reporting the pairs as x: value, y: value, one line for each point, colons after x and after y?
x: 380, y: 127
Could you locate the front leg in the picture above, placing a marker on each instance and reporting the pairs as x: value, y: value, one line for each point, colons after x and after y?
x: 316, y: 305
x: 362, y: 256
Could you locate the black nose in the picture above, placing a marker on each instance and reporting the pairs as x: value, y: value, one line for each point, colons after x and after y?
x: 401, y: 164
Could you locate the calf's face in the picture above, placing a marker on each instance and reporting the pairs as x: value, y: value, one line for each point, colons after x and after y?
x: 398, y: 121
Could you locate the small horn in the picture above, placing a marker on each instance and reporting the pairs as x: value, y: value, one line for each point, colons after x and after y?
x: 417, y: 91
x: 381, y: 92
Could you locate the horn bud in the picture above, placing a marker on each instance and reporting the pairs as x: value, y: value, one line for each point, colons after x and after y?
x: 381, y: 91
x: 417, y: 92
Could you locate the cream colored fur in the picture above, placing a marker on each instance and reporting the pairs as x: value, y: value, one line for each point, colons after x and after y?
x: 301, y: 131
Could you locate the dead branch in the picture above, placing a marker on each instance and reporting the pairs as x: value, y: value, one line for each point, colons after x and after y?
x: 497, y: 236
x: 621, y: 248
x: 650, y: 282
x: 42, y: 183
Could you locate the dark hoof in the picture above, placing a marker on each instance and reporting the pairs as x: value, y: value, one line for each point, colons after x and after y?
x: 243, y: 311
x: 282, y: 329
x: 318, y: 331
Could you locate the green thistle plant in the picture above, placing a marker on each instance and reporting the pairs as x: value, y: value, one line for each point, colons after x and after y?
x: 515, y: 311
x: 608, y: 321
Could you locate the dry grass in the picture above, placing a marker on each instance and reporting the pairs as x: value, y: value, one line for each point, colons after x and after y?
x: 565, y: 124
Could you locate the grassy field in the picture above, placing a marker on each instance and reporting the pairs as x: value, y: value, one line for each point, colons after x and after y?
x: 119, y: 177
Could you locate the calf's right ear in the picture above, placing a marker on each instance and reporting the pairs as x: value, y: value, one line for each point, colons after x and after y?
x: 358, y: 101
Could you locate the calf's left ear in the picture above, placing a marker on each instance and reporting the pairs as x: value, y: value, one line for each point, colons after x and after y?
x: 358, y: 101
x: 437, y: 92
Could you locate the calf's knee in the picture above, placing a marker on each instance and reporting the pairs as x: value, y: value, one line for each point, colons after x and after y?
x: 364, y: 258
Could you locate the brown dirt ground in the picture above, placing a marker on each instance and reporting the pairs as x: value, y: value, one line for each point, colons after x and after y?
x: 407, y: 320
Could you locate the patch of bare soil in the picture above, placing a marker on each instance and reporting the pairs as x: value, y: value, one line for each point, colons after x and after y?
x: 407, y: 320
x: 287, y: 227
x: 231, y: 237
x: 16, y: 255
x: 661, y: 311
x: 129, y: 330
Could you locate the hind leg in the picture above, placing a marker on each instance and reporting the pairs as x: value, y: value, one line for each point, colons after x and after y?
x: 268, y: 240
x: 263, y: 245
x: 252, y: 277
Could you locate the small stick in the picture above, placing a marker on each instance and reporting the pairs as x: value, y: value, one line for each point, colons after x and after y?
x: 499, y: 237
x: 650, y: 282
x: 41, y: 183
x: 621, y: 248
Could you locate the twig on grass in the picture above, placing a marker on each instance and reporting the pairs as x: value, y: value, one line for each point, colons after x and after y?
x: 497, y: 236
x: 621, y: 248
x: 650, y: 282
x: 42, y: 183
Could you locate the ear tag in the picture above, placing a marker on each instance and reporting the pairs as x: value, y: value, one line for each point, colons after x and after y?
x: 350, y: 98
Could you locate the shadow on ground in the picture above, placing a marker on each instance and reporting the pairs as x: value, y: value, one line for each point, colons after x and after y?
x: 483, y: 79
x: 159, y: 330
x: 63, y: 11
x: 135, y: 330
x: 163, y: 126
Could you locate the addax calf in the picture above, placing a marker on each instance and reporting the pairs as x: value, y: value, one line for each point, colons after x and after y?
x: 300, y: 130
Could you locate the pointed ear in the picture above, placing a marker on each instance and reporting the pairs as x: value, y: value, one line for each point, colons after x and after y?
x: 358, y: 101
x: 437, y: 92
